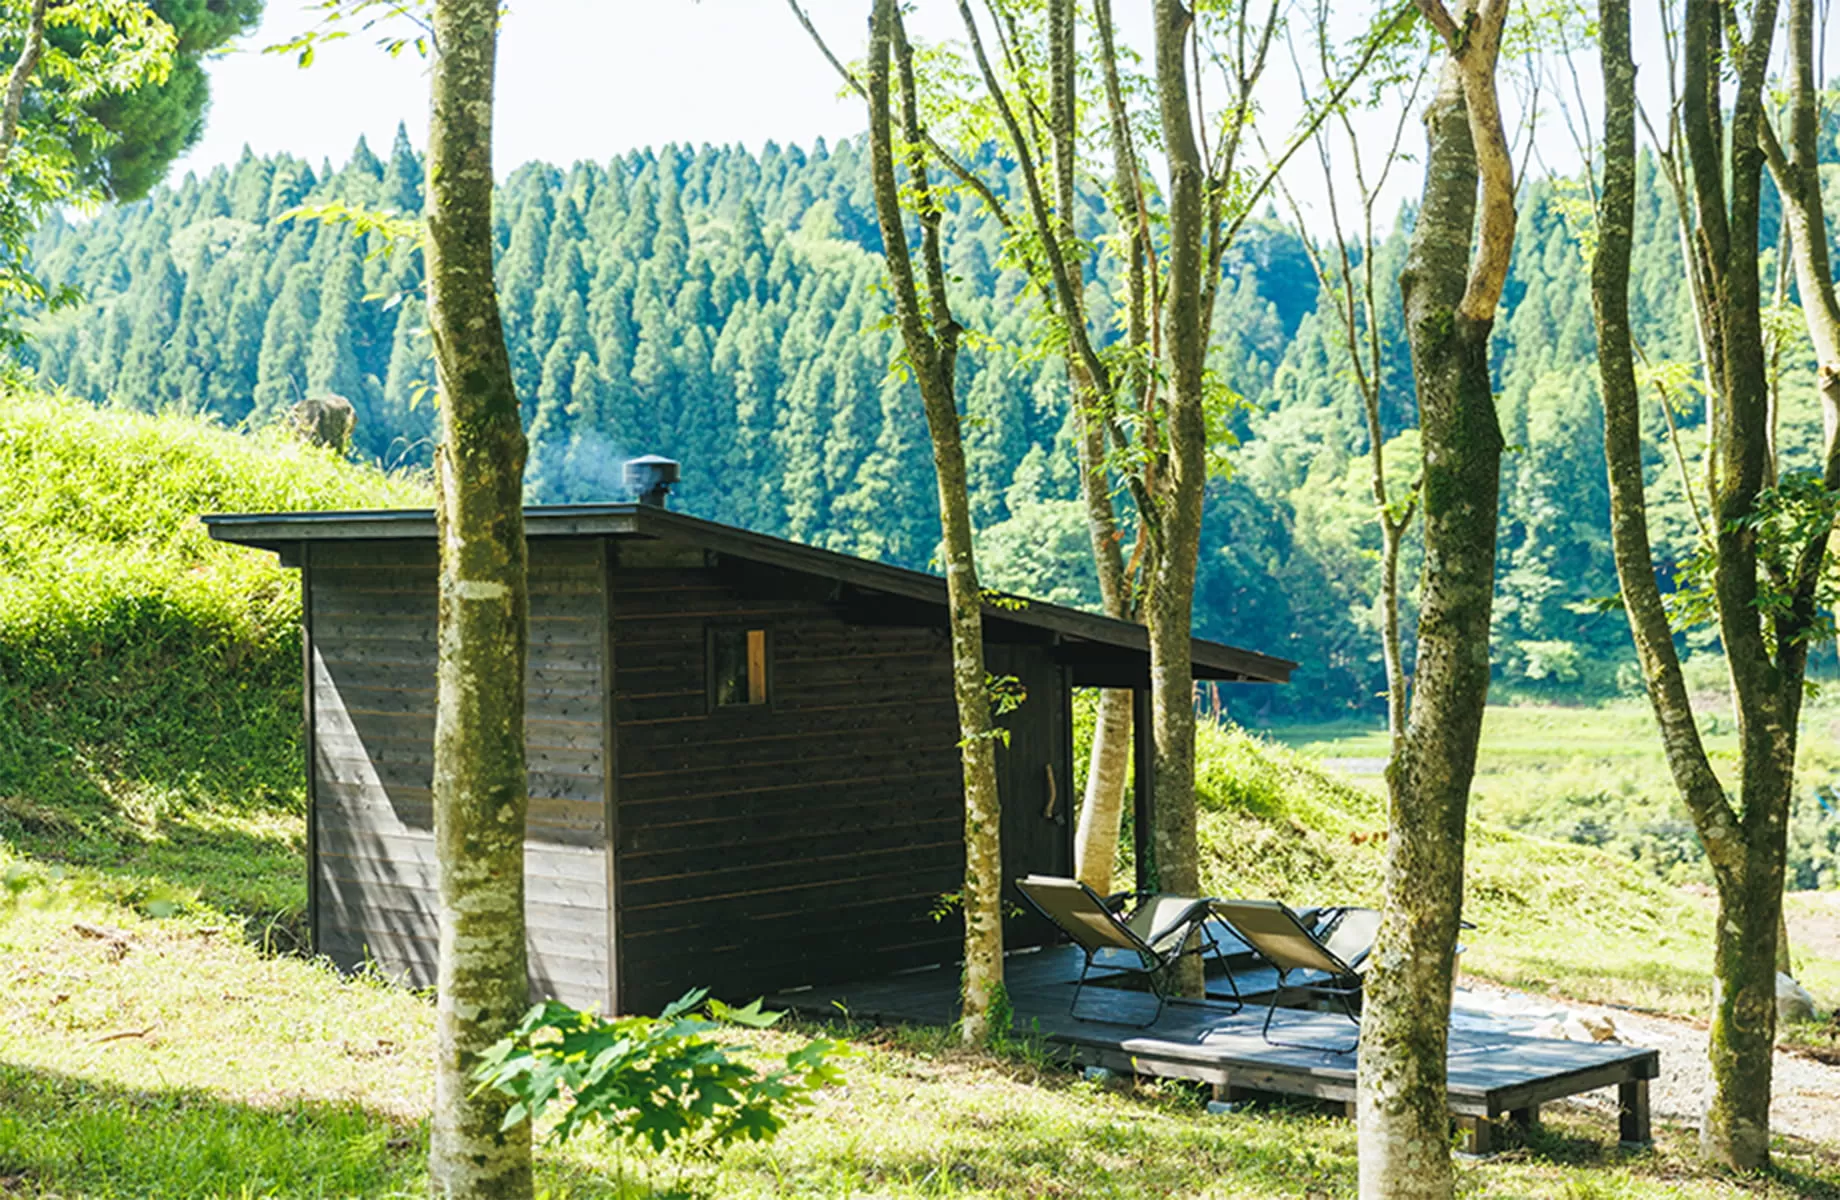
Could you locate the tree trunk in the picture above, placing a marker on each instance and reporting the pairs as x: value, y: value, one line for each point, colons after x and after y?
x: 930, y: 336
x: 480, y: 793
x: 1175, y: 527
x: 1102, y: 812
x: 1102, y: 808
x: 1392, y: 540
x: 18, y: 78
x: 1744, y: 845
x: 1403, y: 1108
x: 1735, y: 1128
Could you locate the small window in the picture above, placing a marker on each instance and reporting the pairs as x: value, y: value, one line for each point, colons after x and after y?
x: 738, y: 665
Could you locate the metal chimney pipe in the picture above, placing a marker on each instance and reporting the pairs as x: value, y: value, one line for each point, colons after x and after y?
x: 650, y: 477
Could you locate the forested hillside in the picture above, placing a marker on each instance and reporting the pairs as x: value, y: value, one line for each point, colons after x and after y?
x: 724, y: 308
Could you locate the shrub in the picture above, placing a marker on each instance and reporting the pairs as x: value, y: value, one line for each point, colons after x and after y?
x: 664, y: 1080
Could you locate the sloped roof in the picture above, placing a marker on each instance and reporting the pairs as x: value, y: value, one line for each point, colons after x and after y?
x: 1102, y: 651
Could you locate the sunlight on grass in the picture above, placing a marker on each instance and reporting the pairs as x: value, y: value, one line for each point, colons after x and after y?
x: 180, y: 1062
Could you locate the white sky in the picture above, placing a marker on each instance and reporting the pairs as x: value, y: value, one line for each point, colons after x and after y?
x: 578, y: 79
x: 589, y: 79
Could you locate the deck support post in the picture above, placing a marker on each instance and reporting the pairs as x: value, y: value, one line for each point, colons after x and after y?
x: 1632, y: 1114
x: 1478, y: 1135
x: 1143, y: 795
x: 1525, y: 1119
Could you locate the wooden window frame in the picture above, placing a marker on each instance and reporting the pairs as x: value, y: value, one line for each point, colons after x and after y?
x: 759, y: 655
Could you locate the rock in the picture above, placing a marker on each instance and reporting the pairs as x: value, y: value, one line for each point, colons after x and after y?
x: 1793, y: 1001
x: 1576, y: 1030
x: 324, y: 421
x: 1568, y: 1026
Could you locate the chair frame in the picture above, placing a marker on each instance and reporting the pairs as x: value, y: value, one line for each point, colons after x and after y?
x: 1342, y: 986
x: 1153, y: 964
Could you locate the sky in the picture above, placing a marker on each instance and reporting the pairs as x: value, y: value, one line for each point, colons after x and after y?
x: 578, y: 79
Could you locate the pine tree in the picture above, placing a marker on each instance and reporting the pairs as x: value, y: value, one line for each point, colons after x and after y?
x: 333, y: 351
x: 281, y: 368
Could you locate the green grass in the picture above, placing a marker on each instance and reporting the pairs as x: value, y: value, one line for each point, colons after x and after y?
x: 251, y: 1075
x: 1552, y: 917
x: 1597, y: 776
x: 150, y: 677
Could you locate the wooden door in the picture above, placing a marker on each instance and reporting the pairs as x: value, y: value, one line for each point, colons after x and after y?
x: 1034, y: 779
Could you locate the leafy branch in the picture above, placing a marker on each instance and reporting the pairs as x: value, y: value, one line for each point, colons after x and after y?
x: 664, y: 1081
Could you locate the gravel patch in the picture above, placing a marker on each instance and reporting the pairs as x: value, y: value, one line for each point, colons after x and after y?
x: 1805, y: 1100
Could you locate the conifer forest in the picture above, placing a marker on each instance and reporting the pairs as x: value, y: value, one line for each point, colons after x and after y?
x: 725, y: 309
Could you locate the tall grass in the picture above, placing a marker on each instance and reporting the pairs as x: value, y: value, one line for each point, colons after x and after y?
x: 1550, y: 916
x: 149, y: 676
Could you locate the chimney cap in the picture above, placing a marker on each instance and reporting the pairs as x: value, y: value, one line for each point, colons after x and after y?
x: 651, y: 476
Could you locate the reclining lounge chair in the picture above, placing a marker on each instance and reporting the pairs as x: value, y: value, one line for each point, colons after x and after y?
x: 1150, y: 940
x: 1330, y: 951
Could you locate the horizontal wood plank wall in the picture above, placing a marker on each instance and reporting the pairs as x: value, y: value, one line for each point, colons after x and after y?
x: 373, y: 662
x: 805, y: 841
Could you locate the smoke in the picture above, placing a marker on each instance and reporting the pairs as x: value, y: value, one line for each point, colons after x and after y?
x: 588, y: 468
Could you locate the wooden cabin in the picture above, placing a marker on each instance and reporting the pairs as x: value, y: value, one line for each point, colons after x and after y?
x: 743, y: 752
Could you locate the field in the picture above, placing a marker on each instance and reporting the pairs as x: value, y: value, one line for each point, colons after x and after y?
x: 1596, y: 776
x: 161, y: 1035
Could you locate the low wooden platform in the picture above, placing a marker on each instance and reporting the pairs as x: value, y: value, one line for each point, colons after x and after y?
x: 1494, y: 1075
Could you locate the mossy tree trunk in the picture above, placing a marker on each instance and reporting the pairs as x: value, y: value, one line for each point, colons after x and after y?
x: 1174, y: 524
x: 480, y: 794
x: 1720, y: 206
x: 1450, y: 299
x: 929, y: 336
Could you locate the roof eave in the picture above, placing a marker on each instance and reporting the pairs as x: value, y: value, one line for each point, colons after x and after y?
x: 282, y: 533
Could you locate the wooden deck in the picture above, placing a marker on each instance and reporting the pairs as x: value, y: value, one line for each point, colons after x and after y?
x: 1494, y: 1074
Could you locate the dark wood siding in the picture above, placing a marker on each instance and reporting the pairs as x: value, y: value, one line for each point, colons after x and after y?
x: 372, y: 622
x: 806, y: 841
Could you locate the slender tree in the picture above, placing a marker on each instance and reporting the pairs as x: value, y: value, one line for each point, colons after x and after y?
x: 1348, y: 269
x: 1451, y: 294
x: 1214, y: 187
x: 1767, y: 534
x: 930, y: 339
x: 480, y: 791
x: 1095, y: 846
x: 1040, y: 231
x: 1172, y: 523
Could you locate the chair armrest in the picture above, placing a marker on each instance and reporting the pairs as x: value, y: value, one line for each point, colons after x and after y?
x: 1118, y: 900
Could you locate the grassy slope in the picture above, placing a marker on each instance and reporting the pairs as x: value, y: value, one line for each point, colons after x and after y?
x: 149, y: 745
x: 150, y: 677
x: 1597, y: 775
x: 1549, y: 916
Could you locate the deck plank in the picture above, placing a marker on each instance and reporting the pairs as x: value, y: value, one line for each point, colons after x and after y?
x: 1490, y: 1072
